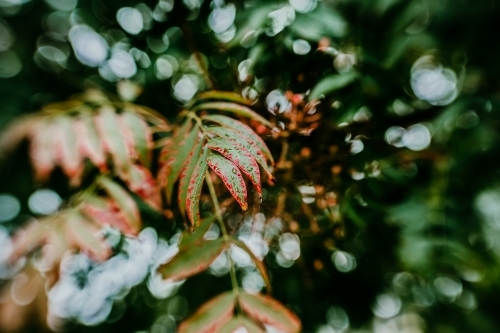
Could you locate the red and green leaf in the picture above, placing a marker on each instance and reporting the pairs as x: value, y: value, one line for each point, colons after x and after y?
x: 142, y: 183
x: 141, y: 135
x: 243, y: 130
x: 42, y: 150
x: 231, y: 177
x: 269, y: 311
x: 189, y: 237
x: 239, y: 322
x: 232, y: 134
x: 223, y: 96
x: 186, y: 173
x: 233, y: 108
x: 258, y: 263
x: 211, y: 316
x: 106, y: 212
x: 112, y: 139
x: 123, y: 200
x: 240, y: 156
x: 87, y: 237
x: 194, y: 189
x: 88, y: 141
x: 192, y: 260
x: 66, y: 149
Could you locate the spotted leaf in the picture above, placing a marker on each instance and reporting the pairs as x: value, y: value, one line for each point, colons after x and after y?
x: 186, y: 174
x: 211, y: 316
x: 231, y: 176
x: 240, y: 156
x: 192, y: 259
x: 243, y: 129
x: 269, y: 311
x: 233, y: 108
x: 194, y: 189
x: 233, y: 135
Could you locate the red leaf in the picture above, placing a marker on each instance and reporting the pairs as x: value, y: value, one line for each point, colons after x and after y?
x: 186, y: 174
x: 243, y: 129
x: 42, y: 150
x: 211, y: 316
x: 192, y: 259
x: 88, y: 141
x: 269, y: 311
x: 233, y: 135
x: 194, y: 189
x: 66, y: 149
x: 106, y: 212
x: 231, y: 176
x: 87, y: 237
x: 240, y: 156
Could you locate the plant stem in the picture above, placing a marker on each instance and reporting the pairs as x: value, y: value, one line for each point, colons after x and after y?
x: 218, y: 214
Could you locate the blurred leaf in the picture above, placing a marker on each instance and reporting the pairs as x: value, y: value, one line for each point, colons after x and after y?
x: 192, y: 259
x: 258, y: 263
x: 233, y: 135
x: 231, y: 176
x: 88, y: 141
x: 125, y: 203
x: 233, y: 108
x: 142, y: 183
x: 211, y: 316
x: 86, y: 236
x: 222, y: 96
x: 141, y: 135
x: 243, y: 129
x: 240, y: 156
x: 42, y: 150
x: 194, y: 189
x: 67, y: 152
x: 189, y: 237
x: 269, y: 311
x: 106, y: 212
x: 331, y: 83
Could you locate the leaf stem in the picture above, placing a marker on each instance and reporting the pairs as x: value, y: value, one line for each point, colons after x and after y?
x: 218, y: 214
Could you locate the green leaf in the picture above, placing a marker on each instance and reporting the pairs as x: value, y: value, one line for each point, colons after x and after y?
x: 260, y: 265
x: 112, y: 139
x: 233, y: 108
x: 211, y: 316
x: 269, y: 311
x: 231, y: 176
x: 125, y: 203
x: 223, y: 96
x: 331, y: 83
x: 175, y: 159
x: 89, y: 143
x: 186, y: 174
x: 243, y: 130
x: 192, y: 259
x: 189, y: 237
x: 241, y: 322
x: 240, y: 156
x: 233, y: 135
x: 141, y: 135
x: 194, y: 189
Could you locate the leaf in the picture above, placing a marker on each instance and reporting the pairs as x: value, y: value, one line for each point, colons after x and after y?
x: 112, y: 139
x: 259, y: 263
x: 88, y: 141
x: 42, y: 150
x: 233, y: 108
x: 189, y: 237
x: 269, y: 311
x: 235, y: 324
x: 194, y: 189
x: 66, y: 149
x: 192, y: 260
x: 141, y: 135
x: 105, y: 212
x: 86, y: 237
x: 175, y: 158
x: 240, y: 156
x: 331, y: 83
x: 211, y: 316
x: 123, y: 200
x: 186, y: 173
x: 243, y: 129
x: 142, y: 183
x: 223, y: 96
x: 231, y: 176
x: 233, y: 135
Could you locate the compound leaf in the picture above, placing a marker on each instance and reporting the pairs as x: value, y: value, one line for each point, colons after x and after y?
x: 231, y: 177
